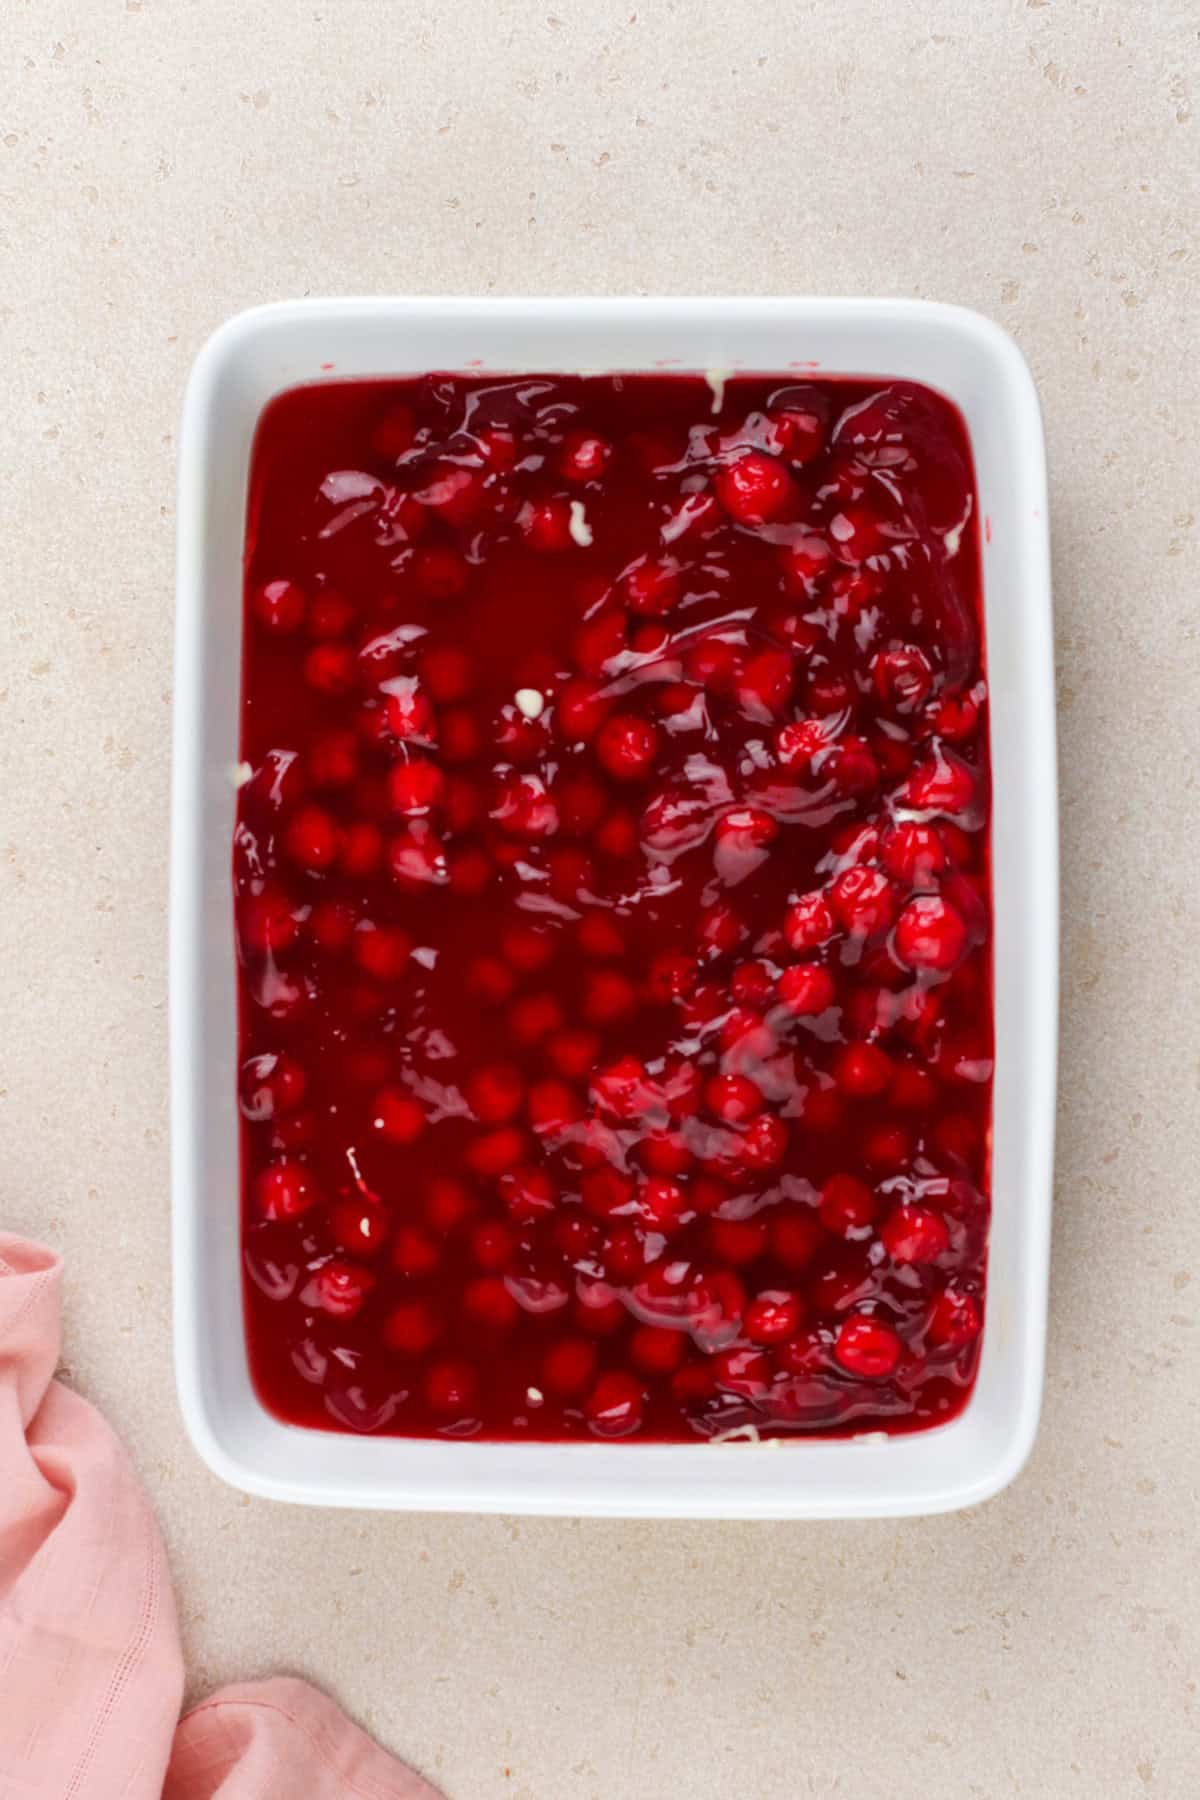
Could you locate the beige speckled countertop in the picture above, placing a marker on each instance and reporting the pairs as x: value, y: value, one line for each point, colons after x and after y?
x: 165, y: 162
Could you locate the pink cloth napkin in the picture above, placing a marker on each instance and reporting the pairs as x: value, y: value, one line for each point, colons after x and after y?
x: 91, y: 1673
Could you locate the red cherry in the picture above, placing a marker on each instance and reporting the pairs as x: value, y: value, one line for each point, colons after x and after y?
x: 488, y: 978
x: 806, y: 989
x: 618, y: 836
x: 614, y: 1405
x: 754, y: 489
x: 600, y: 642
x: 866, y: 1347
x: 330, y: 615
x: 912, y: 1089
x: 330, y: 669
x: 799, y: 434
x: 568, y: 1367
x: 487, y: 1300
x: 416, y: 857
x: 773, y: 1315
x: 597, y: 1309
x: 397, y: 1117
x: 311, y: 839
x: 534, y: 1018
x: 715, y: 663
x: 888, y: 1148
x: 930, y: 934
x: 527, y: 947
x: 573, y: 1053
x: 576, y: 1238
x: 410, y: 715
x: 598, y: 935
x: 447, y: 1203
x: 661, y: 1202
x: 764, y: 1143
x: 572, y: 876
x: 651, y: 588
x: 285, y: 1190
x: 746, y: 1039
x: 546, y: 525
x: 847, y: 1205
x: 498, y: 447
x: 764, y: 685
x: 913, y: 855
x: 279, y: 606
x: 381, y: 950
x: 665, y: 1153
x: 623, y: 1089
x: 863, y: 901
x: 956, y: 717
x: 339, y: 1288
x: 415, y: 787
x: 452, y: 1390
x: 809, y: 923
x: 358, y: 1224
x: 913, y: 1234
x: 272, y: 1085
x: 733, y: 1098
x: 333, y: 759
x: 751, y: 984
x: 580, y: 710
x: 693, y: 1382
x: 552, y: 1106
x: 740, y: 1371
x: 361, y: 848
x: 584, y: 456
x: 447, y: 673
x: 741, y: 839
x: 267, y: 922
x: 493, y: 1244
x: 626, y: 745
x: 902, y: 678
x: 798, y: 743
x: 452, y: 493
x: 862, y: 1070
x: 293, y: 1133
x: 943, y: 784
x: 657, y: 1350
x: 523, y: 806
x: 720, y: 929
x: 496, y: 1152
x: 795, y: 1238
x: 736, y: 1242
x: 606, y: 1191
x: 804, y: 565
x: 411, y: 1328
x: 623, y: 1253
x: 414, y: 1253
x: 527, y: 1193
x: 955, y: 1320
x: 495, y: 1093
x: 852, y: 767
x: 855, y: 533
x: 607, y: 996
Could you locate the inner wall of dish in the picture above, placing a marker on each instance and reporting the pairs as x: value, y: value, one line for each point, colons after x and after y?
x: 613, y: 908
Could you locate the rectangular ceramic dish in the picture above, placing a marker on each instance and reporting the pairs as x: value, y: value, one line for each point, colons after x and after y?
x: 971, y: 361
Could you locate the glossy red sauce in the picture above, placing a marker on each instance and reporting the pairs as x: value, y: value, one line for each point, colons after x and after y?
x: 612, y: 901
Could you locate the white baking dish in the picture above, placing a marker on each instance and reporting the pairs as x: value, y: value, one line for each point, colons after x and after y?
x: 976, y: 365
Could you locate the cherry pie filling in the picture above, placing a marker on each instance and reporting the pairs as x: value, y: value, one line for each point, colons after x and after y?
x: 612, y: 902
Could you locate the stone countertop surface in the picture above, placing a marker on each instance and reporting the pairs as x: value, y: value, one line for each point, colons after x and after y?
x: 166, y: 162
